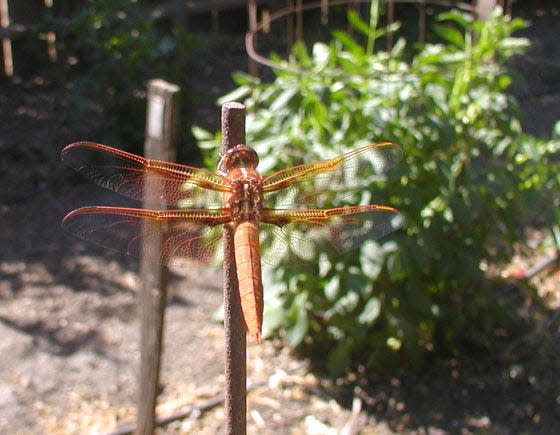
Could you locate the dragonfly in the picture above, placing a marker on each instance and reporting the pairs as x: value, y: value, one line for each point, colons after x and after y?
x: 291, y: 213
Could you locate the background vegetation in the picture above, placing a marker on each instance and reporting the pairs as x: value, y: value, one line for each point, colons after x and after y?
x: 470, y: 182
x: 117, y: 46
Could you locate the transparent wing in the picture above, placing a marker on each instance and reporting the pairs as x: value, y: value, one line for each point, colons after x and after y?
x: 324, y: 183
x: 300, y: 234
x: 194, y: 234
x: 132, y: 175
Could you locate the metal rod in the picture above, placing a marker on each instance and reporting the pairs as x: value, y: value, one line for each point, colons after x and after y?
x: 233, y: 133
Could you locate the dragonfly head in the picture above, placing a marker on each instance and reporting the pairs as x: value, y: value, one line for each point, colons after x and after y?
x: 240, y: 156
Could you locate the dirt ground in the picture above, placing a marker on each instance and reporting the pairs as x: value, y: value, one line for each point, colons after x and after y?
x: 69, y: 329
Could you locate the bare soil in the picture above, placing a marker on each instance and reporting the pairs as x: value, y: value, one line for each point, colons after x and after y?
x: 69, y: 329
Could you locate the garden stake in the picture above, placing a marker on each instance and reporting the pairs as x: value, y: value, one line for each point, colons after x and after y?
x: 161, y: 136
x: 233, y: 133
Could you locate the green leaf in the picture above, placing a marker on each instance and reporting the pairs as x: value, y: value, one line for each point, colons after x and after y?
x: 283, y: 99
x: 300, y: 51
x: 556, y: 131
x: 357, y: 23
x: 450, y: 34
x: 201, y: 134
x: 370, y: 312
x: 236, y: 95
x: 332, y: 288
x: 372, y: 259
x: 349, y: 44
x: 464, y: 19
x: 321, y: 55
x: 273, y: 318
x: 298, y: 318
x: 396, y: 266
x: 242, y: 78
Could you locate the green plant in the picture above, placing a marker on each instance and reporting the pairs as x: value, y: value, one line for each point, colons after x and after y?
x: 469, y: 181
x: 117, y: 47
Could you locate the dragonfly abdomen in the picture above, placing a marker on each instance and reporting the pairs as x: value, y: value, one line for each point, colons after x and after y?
x: 248, y: 264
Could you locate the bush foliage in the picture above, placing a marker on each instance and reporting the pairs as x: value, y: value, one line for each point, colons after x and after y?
x: 468, y: 183
x: 117, y: 46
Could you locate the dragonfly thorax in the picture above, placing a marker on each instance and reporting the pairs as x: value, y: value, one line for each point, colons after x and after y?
x: 246, y: 198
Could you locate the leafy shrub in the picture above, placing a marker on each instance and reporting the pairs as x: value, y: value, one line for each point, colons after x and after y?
x: 469, y: 180
x: 117, y: 46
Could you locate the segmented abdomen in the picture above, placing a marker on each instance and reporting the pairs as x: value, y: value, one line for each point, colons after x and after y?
x: 248, y: 263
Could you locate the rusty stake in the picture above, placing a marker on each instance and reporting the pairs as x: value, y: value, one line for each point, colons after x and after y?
x: 233, y: 133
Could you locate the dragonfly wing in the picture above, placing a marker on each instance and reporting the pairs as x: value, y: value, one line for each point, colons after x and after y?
x: 300, y: 234
x: 194, y: 234
x: 322, y: 183
x: 132, y: 175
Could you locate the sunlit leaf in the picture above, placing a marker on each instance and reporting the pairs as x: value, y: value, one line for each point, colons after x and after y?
x: 300, y: 322
x: 357, y: 23
x: 450, y: 34
x: 370, y: 312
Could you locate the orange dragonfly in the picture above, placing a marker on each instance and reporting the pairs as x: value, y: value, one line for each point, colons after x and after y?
x: 290, y: 213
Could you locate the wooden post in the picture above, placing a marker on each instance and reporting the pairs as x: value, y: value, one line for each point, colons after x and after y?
x: 289, y: 27
x: 233, y: 133
x: 299, y: 20
x: 390, y: 20
x: 215, y: 14
x: 51, y: 36
x: 161, y: 136
x: 508, y: 7
x: 484, y: 8
x: 324, y: 12
x: 252, y: 16
x: 265, y: 16
x: 422, y: 21
x: 6, y: 41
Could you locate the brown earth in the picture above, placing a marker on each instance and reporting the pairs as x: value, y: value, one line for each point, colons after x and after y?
x: 69, y: 330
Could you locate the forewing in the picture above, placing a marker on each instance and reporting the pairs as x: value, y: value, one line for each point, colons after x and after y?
x: 132, y: 175
x: 300, y: 234
x: 193, y: 235
x: 324, y: 183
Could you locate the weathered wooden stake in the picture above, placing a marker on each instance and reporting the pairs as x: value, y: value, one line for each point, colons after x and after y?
x: 299, y: 21
x: 6, y: 41
x: 422, y: 21
x: 252, y: 17
x: 324, y: 12
x: 484, y: 8
x: 391, y: 20
x: 161, y: 136
x: 233, y: 133
x: 289, y: 27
